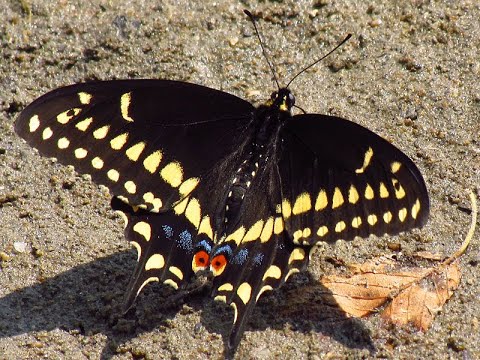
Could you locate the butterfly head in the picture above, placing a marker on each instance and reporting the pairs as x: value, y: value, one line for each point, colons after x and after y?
x: 282, y: 99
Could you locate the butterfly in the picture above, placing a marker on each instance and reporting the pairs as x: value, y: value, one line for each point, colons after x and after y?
x: 207, y: 182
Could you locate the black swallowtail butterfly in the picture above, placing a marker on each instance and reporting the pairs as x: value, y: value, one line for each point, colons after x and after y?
x: 206, y: 181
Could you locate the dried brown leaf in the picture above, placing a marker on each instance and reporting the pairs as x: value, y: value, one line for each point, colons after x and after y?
x: 362, y: 294
x: 418, y: 304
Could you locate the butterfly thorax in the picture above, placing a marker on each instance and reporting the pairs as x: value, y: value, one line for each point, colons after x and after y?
x: 267, y: 122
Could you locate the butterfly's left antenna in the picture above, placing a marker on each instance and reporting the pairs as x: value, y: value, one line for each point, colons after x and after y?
x: 252, y: 19
x: 318, y: 60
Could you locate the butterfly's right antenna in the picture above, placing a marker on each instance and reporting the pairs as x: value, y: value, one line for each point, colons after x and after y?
x: 252, y: 19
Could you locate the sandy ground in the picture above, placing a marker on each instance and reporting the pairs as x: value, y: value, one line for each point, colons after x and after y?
x: 411, y: 73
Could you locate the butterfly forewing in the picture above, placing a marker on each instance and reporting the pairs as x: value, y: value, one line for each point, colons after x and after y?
x: 340, y: 180
x: 138, y: 137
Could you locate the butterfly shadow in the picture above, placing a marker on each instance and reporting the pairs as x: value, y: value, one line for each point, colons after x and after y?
x: 88, y: 299
x: 303, y: 303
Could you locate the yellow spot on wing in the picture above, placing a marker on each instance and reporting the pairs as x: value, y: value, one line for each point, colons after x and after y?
x: 131, y: 187
x: 399, y: 191
x: 101, y: 132
x: 33, y: 123
x: 84, y: 124
x: 297, y: 254
x: 267, y: 230
x: 372, y: 219
x: 402, y: 214
x: 254, y: 232
x: 63, y: 143
x: 47, y: 133
x: 68, y: 115
x: 272, y: 272
x: 125, y: 105
x: 278, y: 226
x: 296, y: 236
x: 149, y: 280
x: 322, y: 201
x: 84, y: 98
x: 171, y: 283
x: 80, y: 153
x: 138, y: 248
x: 176, y: 271
x: 340, y: 226
x: 262, y: 290
x: 356, y: 222
x: 237, y: 235
x: 188, y: 186
x: 302, y: 204
x: 235, y: 311
x: 353, y: 195
x: 383, y: 191
x: 206, y: 227
x: 172, y: 174
x: 134, y: 152
x: 156, y: 261
x: 225, y: 287
x: 322, y: 231
x: 286, y: 209
x: 369, y: 195
x: 118, y: 142
x: 387, y: 217
x: 149, y: 197
x: 144, y: 229
x: 221, y: 298
x: 291, y: 272
x: 244, y: 292
x: 152, y: 161
x: 113, y: 175
x: 193, y: 212
x: 366, y: 161
x: 181, y: 206
x: 97, y: 163
x: 395, y: 166
x: 416, y: 209
x: 337, y: 198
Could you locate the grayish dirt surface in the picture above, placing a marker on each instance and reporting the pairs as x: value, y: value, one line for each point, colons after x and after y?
x: 410, y: 73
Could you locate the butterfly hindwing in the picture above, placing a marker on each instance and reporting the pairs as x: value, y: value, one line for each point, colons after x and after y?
x: 165, y: 245
x: 340, y: 180
x: 137, y: 136
x: 254, y: 268
x: 260, y: 254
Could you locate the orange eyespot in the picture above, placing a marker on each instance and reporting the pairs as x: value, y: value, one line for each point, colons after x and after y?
x: 200, y: 261
x: 218, y: 264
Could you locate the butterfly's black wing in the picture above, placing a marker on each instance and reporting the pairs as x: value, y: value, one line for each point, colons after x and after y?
x: 159, y: 146
x: 148, y: 141
x: 262, y: 255
x: 328, y: 179
x: 340, y: 180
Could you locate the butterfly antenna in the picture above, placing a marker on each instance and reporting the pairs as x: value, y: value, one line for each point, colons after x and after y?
x: 272, y: 69
x: 317, y: 61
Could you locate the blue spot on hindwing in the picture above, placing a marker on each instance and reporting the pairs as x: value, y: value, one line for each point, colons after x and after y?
x: 257, y: 259
x: 240, y: 257
x: 204, y: 245
x: 224, y: 249
x: 168, y: 230
x: 185, y: 241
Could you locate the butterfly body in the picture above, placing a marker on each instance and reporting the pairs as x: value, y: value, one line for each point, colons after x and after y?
x: 206, y: 181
